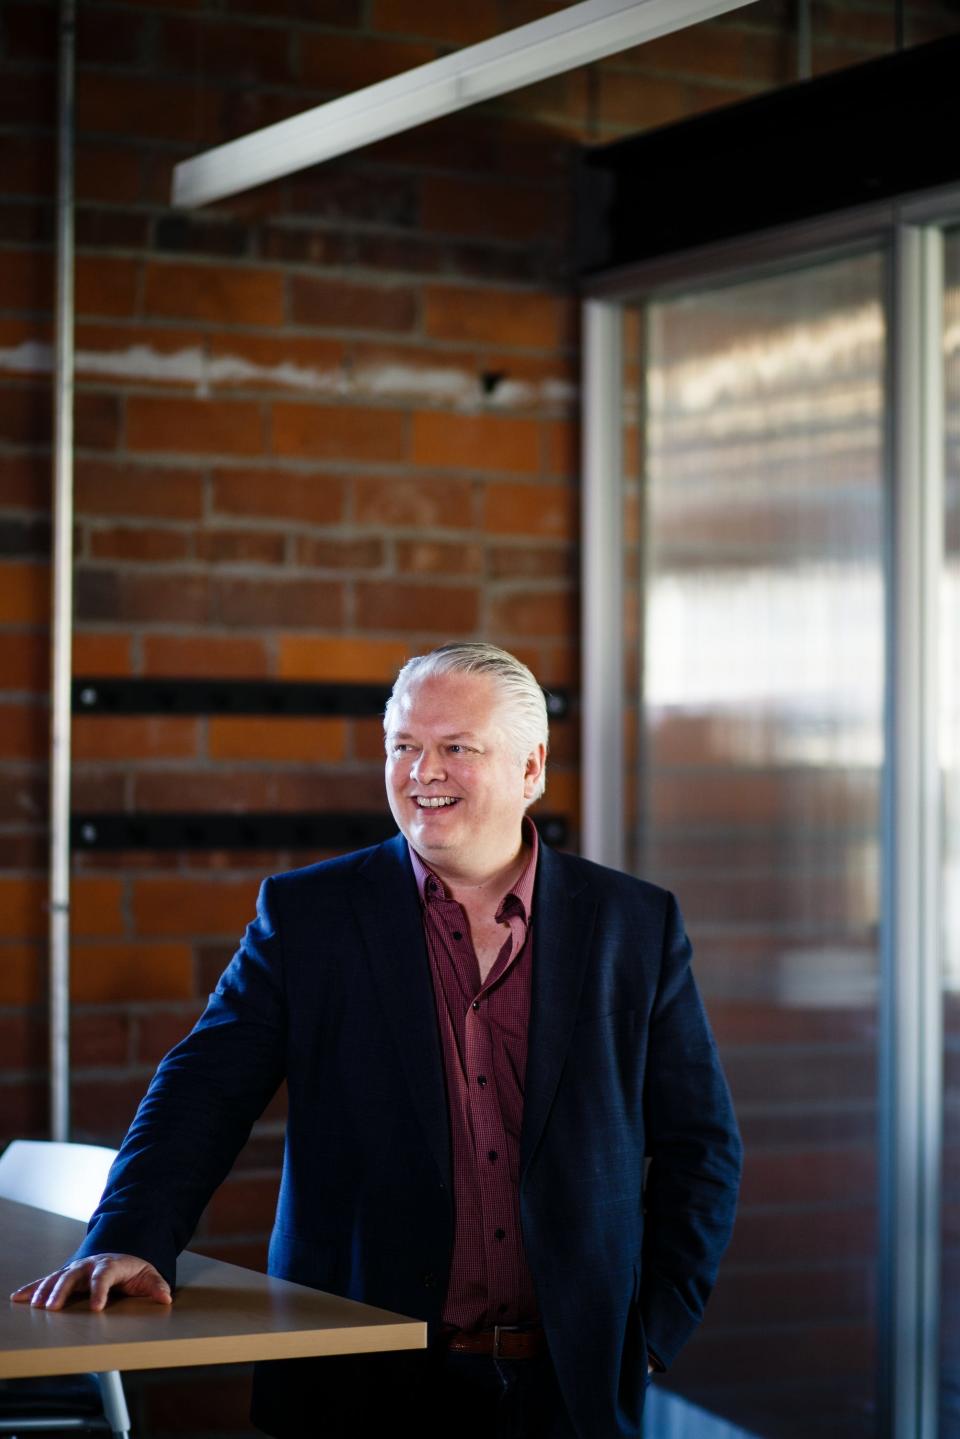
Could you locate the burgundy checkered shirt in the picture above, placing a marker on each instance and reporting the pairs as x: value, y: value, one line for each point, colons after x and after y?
x: 483, y: 1033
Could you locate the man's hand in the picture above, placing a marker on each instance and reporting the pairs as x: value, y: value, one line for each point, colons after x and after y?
x: 96, y: 1276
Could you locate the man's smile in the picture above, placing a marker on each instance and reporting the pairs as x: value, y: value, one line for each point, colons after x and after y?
x: 439, y: 801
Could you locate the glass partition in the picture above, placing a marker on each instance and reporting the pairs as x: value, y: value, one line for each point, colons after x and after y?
x: 761, y: 758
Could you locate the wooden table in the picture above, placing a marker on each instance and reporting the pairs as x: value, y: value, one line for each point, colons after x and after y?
x: 221, y: 1314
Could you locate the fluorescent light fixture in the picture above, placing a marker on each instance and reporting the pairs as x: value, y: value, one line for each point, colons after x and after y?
x: 571, y: 37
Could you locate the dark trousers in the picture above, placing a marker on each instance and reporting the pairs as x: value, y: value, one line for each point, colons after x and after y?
x: 430, y: 1394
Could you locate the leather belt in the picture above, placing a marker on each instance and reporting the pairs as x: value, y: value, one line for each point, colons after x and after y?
x: 501, y: 1342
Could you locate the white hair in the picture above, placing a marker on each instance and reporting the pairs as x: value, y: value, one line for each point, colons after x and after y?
x: 524, y: 715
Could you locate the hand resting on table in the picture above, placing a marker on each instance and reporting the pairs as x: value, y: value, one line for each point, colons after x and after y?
x: 98, y: 1275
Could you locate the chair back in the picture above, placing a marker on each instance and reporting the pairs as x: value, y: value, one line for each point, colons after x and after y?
x: 54, y: 1175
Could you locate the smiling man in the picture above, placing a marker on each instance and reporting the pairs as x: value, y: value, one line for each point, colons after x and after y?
x: 506, y: 1112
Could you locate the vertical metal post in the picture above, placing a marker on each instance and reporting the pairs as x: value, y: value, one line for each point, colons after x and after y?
x: 911, y: 1083
x: 62, y: 598
x: 602, y: 584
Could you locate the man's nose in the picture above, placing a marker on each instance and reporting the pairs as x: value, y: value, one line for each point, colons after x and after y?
x: 428, y: 766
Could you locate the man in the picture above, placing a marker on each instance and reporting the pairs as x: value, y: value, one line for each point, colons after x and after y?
x: 506, y: 1111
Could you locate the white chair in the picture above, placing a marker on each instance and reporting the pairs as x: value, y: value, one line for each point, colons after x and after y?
x: 63, y: 1179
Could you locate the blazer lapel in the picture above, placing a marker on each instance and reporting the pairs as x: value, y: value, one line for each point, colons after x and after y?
x: 563, y: 923
x: 388, y: 912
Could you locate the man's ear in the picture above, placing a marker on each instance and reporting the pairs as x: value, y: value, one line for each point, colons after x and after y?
x: 533, y: 768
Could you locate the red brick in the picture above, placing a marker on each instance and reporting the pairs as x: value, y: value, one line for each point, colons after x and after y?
x: 541, y: 511
x: 101, y: 654
x: 326, y: 432
x: 342, y: 63
x: 229, y: 791
x: 560, y: 449
x: 421, y: 503
x: 283, y: 603
x: 438, y: 20
x: 30, y: 32
x: 102, y: 1109
x: 224, y: 427
x: 202, y: 657
x: 240, y: 547
x: 529, y: 613
x: 114, y: 973
x: 239, y: 53
x: 24, y: 481
x: 192, y: 907
x: 108, y: 37
x: 281, y: 738
x: 322, y: 657
x: 340, y: 554
x: 97, y: 420
x: 29, y: 165
x: 108, y: 172
x: 97, y: 906
x: 491, y: 209
x: 722, y: 50
x: 126, y: 542
x: 28, y: 99
x: 113, y: 595
x: 497, y: 317
x: 532, y: 562
x: 24, y: 592
x: 335, y: 305
x: 99, y: 1039
x: 24, y: 731
x: 22, y: 967
x: 136, y: 106
x: 24, y: 660
x: 226, y: 295
x: 435, y: 557
x: 271, y: 494
x: 25, y: 415
x: 450, y: 609
x: 23, y: 1042
x: 275, y: 362
x: 106, y: 487
x: 368, y: 739
x: 134, y: 736
x: 475, y: 442
x: 26, y: 280
x: 156, y: 1032
x: 24, y: 1110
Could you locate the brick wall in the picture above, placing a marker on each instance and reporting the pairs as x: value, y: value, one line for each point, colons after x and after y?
x: 319, y: 427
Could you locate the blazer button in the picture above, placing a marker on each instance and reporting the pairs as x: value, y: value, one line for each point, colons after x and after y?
x: 429, y: 1280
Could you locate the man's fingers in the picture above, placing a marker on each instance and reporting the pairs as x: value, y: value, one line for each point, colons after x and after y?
x: 25, y: 1292
x: 57, y: 1288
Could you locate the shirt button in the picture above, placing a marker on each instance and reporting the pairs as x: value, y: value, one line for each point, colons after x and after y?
x: 499, y: 1234
x: 458, y: 934
x: 492, y: 1154
x: 481, y: 1080
x: 476, y: 1004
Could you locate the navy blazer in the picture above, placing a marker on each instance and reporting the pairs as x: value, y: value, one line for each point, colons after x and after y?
x: 331, y: 992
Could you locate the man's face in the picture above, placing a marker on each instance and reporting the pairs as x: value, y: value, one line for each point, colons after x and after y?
x: 456, y: 787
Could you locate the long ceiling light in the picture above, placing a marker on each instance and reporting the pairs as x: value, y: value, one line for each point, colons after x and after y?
x: 562, y: 41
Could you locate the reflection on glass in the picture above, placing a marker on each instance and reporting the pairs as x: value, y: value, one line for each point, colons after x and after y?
x: 950, y: 755
x: 762, y: 745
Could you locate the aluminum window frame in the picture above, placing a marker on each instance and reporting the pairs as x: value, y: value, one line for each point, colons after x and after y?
x: 910, y: 1091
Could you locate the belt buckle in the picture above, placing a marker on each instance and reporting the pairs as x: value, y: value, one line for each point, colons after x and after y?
x: 496, y: 1341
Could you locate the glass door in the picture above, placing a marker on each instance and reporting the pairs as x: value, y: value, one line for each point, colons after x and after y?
x: 761, y: 765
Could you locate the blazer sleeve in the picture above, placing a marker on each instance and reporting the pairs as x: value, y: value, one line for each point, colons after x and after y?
x: 694, y: 1155
x: 200, y: 1107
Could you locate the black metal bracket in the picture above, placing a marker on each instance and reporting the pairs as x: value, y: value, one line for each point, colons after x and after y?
x: 108, y: 695
x: 313, y: 831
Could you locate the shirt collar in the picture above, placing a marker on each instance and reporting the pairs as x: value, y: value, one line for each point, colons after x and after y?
x: 523, y: 889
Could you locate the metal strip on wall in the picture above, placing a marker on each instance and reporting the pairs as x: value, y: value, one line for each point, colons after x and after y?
x: 602, y: 586
x: 62, y: 597
x: 911, y: 1002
